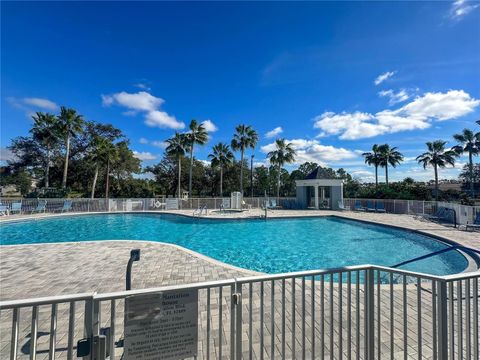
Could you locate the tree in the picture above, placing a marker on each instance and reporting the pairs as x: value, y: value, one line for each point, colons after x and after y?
x: 98, y: 135
x: 45, y: 131
x: 197, y: 135
x: 221, y: 157
x: 284, y: 154
x: 245, y: 137
x: 374, y: 158
x: 469, y: 142
x: 437, y: 157
x: 389, y: 156
x: 70, y: 124
x: 176, y: 148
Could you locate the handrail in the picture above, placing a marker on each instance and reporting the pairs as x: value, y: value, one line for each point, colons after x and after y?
x: 9, y: 304
x: 455, y: 247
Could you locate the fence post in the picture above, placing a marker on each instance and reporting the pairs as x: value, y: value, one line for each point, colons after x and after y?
x: 442, y: 321
x: 88, y: 326
x: 369, y: 316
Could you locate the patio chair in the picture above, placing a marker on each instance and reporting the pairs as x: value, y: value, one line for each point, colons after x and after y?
x: 370, y: 206
x: 273, y: 204
x: 16, y: 207
x: 475, y: 225
x: 67, y: 206
x: 358, y: 206
x: 341, y: 205
x: 41, y: 206
x: 4, y: 211
x: 381, y: 207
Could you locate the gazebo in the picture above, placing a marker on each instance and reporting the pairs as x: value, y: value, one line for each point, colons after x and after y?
x: 319, y: 190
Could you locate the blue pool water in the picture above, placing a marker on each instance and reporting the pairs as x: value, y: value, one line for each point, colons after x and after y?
x: 271, y: 246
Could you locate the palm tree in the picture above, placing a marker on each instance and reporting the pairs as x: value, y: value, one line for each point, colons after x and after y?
x: 177, y: 147
x: 389, y: 156
x: 70, y: 124
x: 99, y: 135
x: 109, y: 154
x: 197, y: 135
x: 469, y: 142
x: 284, y: 154
x: 373, y: 158
x: 45, y: 131
x: 245, y: 137
x: 220, y: 157
x: 437, y: 157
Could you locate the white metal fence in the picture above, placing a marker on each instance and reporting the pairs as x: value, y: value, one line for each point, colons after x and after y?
x: 464, y: 214
x: 360, y: 312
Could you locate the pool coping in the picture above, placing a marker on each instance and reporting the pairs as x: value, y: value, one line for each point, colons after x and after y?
x: 473, y: 260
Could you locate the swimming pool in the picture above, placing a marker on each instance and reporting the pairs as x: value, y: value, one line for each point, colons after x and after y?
x: 273, y: 246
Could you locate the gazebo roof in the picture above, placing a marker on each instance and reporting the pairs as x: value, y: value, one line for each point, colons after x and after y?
x: 319, y: 173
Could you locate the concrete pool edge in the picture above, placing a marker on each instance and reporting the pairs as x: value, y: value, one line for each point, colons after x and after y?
x: 473, y: 260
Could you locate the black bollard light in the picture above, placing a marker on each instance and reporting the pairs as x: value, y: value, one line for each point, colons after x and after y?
x: 134, y: 256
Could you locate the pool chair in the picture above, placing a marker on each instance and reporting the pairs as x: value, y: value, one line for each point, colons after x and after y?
x: 341, y: 206
x: 67, y: 206
x: 273, y: 204
x: 381, y: 207
x: 370, y: 206
x: 475, y: 225
x: 4, y: 211
x: 358, y: 206
x: 41, y: 206
x: 16, y: 207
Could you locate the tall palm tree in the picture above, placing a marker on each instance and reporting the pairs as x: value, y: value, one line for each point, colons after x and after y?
x: 177, y: 147
x: 45, y: 131
x: 109, y: 154
x: 469, y: 142
x: 98, y: 150
x: 70, y: 124
x: 283, y: 154
x: 437, y: 157
x: 245, y: 137
x: 221, y: 157
x: 197, y: 135
x: 389, y: 156
x: 373, y: 158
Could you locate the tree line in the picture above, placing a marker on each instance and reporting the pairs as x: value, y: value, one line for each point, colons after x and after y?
x: 66, y: 155
x: 437, y: 156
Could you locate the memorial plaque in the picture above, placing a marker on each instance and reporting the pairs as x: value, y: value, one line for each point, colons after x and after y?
x: 161, y: 325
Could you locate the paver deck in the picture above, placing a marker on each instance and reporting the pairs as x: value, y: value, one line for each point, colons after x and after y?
x: 64, y: 268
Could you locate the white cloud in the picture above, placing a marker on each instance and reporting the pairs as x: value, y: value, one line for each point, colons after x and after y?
x: 145, y: 155
x: 41, y: 103
x: 32, y: 104
x: 143, y: 101
x: 312, y: 150
x: 395, y: 97
x: 209, y: 126
x: 142, y: 86
x: 382, y: 77
x: 160, y: 144
x: 143, y: 141
x: 6, y: 155
x: 273, y: 133
x: 162, y: 120
x: 417, y: 114
x: 460, y: 8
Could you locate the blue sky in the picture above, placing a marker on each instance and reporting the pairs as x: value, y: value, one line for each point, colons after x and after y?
x: 332, y: 77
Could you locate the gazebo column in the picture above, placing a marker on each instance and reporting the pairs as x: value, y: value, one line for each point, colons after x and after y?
x: 316, y: 197
x: 323, y: 194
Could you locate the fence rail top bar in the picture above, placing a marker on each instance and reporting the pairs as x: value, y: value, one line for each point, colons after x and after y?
x: 11, y: 304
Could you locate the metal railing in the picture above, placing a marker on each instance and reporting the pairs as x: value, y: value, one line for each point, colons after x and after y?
x: 359, y: 312
x: 464, y: 213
